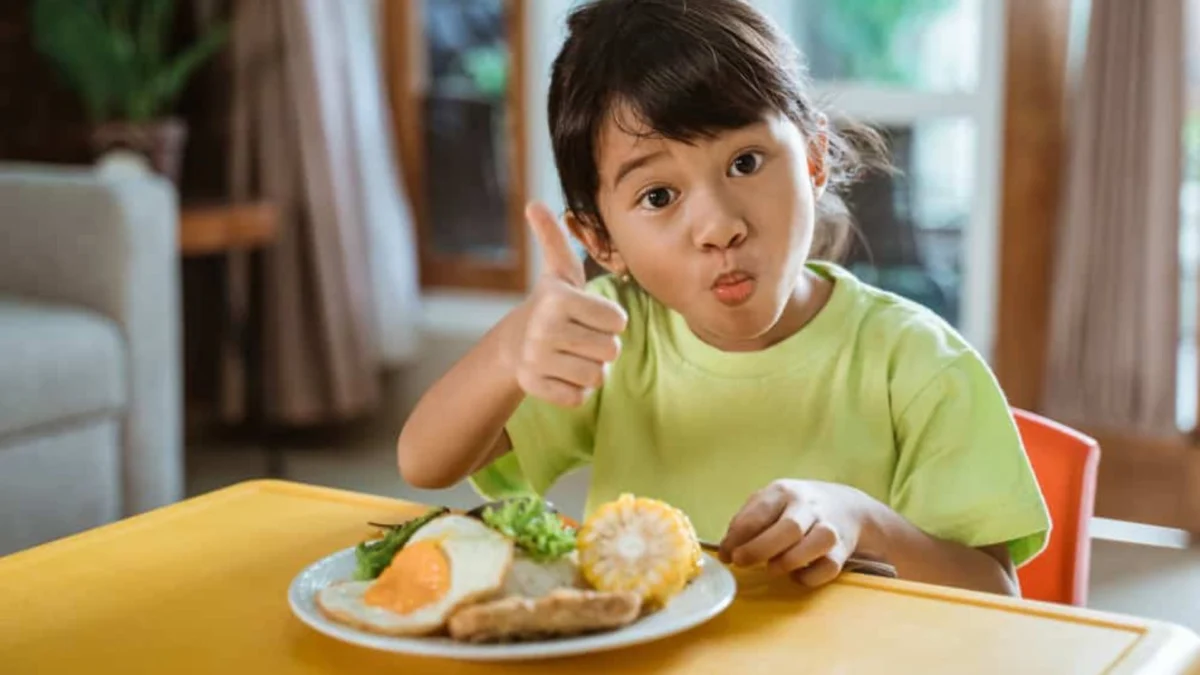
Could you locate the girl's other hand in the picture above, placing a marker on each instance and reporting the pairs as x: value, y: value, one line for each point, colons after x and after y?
x: 562, y: 339
x: 806, y: 529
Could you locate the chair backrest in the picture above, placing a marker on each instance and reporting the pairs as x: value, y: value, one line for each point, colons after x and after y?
x: 1065, y: 463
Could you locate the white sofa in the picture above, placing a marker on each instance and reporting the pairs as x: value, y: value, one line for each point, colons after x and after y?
x: 90, y: 383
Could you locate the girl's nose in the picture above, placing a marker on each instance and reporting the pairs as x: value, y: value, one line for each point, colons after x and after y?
x: 721, y: 227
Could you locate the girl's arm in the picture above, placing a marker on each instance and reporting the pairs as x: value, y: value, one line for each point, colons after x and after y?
x: 918, y: 556
x: 555, y: 346
x: 808, y: 529
x: 458, y: 425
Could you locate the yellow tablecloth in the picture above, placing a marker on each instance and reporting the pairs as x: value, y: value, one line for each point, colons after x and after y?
x: 200, y: 587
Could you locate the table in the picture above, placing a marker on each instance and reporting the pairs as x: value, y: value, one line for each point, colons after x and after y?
x: 200, y: 587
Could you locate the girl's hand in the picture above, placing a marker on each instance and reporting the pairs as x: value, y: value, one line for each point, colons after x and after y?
x: 562, y: 339
x: 806, y: 529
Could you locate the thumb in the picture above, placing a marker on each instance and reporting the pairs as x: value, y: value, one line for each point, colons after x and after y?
x: 557, y: 257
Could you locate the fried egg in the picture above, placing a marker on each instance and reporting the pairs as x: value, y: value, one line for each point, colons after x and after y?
x: 450, y: 562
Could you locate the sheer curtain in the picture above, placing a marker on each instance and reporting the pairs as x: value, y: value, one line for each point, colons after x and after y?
x: 1114, y: 323
x: 310, y: 132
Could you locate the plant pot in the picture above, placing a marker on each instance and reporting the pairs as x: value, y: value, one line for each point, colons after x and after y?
x: 161, y: 142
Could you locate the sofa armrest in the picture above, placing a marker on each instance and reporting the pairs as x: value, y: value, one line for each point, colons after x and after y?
x: 108, y: 244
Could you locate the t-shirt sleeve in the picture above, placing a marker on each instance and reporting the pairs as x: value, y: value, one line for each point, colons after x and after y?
x: 548, y: 441
x: 963, y: 474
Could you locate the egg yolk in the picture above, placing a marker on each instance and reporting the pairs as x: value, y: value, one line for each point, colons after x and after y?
x: 418, y: 576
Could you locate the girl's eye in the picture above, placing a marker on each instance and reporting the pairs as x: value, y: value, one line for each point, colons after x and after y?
x: 657, y: 198
x: 746, y: 164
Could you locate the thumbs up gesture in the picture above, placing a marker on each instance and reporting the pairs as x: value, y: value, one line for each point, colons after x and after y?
x: 563, y: 337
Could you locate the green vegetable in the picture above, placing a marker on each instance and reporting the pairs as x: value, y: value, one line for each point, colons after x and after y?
x: 538, y: 531
x: 373, y: 557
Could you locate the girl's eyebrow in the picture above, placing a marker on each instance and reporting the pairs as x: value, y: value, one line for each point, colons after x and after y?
x: 755, y: 128
x: 631, y: 165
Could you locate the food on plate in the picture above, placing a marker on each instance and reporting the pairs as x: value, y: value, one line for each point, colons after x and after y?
x: 517, y: 570
x: 639, y: 545
x: 535, y: 529
x: 559, y: 613
x: 374, y: 557
x: 477, y: 512
x: 530, y: 578
x: 450, y: 562
x: 545, y: 559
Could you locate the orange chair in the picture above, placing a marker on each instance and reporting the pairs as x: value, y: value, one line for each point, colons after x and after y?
x: 1065, y: 463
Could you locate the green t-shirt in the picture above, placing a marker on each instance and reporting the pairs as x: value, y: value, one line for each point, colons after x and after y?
x: 875, y: 392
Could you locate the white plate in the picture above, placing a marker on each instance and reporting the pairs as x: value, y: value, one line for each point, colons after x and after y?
x: 706, y: 597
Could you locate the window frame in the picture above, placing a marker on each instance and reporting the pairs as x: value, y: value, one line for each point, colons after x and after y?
x: 404, y: 60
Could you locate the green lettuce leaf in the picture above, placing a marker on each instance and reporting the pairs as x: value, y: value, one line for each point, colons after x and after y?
x: 373, y: 557
x: 535, y: 529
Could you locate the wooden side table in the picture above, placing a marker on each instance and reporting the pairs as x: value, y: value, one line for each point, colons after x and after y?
x: 239, y: 232
x: 220, y: 229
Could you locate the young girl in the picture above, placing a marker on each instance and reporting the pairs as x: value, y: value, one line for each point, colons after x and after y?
x: 796, y: 414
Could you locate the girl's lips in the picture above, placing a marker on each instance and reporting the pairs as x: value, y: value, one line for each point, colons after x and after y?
x: 734, y: 288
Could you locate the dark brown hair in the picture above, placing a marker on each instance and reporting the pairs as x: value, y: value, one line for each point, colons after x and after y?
x: 689, y: 69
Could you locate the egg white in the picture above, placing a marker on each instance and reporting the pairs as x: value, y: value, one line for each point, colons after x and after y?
x: 480, y: 559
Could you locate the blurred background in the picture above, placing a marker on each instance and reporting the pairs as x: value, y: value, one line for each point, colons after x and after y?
x: 239, y: 238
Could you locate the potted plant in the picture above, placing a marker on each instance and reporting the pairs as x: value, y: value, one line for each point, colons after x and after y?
x: 116, y: 54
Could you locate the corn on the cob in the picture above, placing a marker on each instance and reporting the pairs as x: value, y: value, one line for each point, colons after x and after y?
x: 640, y: 545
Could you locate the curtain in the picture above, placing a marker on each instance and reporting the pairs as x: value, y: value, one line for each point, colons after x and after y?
x: 1114, y: 323
x: 391, y: 230
x: 309, y: 133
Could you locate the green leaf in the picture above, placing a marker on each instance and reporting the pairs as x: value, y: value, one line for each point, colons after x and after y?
x: 113, y: 53
x: 73, y: 36
x: 154, y: 27
x: 169, y: 81
x: 373, y: 557
x: 120, y: 13
x: 537, y: 530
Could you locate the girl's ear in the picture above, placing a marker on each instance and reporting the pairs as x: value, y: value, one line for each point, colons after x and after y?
x: 818, y: 156
x: 598, y: 246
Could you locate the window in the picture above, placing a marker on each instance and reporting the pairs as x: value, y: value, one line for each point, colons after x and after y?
x: 923, y: 45
x: 456, y: 69
x: 927, y: 74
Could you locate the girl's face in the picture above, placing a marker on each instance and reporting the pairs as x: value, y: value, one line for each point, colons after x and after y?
x: 718, y: 229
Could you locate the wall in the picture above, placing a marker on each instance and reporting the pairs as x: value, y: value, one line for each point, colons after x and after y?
x: 40, y: 119
x: 545, y: 32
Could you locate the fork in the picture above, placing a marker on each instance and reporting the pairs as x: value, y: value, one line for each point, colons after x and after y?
x: 854, y: 564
